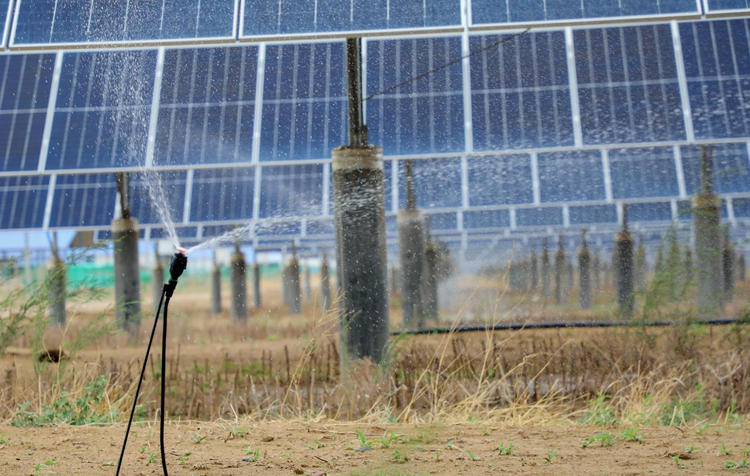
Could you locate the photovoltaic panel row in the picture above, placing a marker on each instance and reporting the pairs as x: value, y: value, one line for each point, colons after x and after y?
x: 277, y: 17
x: 22, y: 201
x: 526, y: 11
x: 95, y: 21
x: 714, y: 6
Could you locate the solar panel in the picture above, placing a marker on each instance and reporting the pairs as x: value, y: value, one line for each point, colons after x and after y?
x: 500, y: 180
x: 730, y: 168
x: 717, y: 66
x: 533, y: 217
x: 423, y: 116
x: 6, y: 19
x: 643, y: 173
x: 207, y: 106
x: 571, y: 176
x: 24, y: 94
x: 102, y: 111
x: 167, y: 189
x: 520, y: 92
x: 291, y: 191
x: 656, y: 211
x: 627, y: 85
x: 437, y: 183
x: 591, y: 215
x: 714, y: 6
x: 222, y: 195
x: 304, y: 101
x: 478, y: 219
x: 42, y: 22
x: 526, y: 11
x: 22, y: 201
x: 83, y: 200
x: 283, y: 17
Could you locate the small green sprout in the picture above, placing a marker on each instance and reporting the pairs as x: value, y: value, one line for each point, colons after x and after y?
x: 506, y: 450
x: 551, y: 456
x: 252, y: 455
x: 152, y: 458
x: 604, y: 439
x: 631, y: 434
x: 388, y: 438
x: 724, y: 450
x: 398, y: 457
x: 363, y: 440
x: 678, y: 462
x: 197, y: 438
x: 690, y: 449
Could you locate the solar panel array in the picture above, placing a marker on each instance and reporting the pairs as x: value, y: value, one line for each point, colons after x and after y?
x: 549, y: 129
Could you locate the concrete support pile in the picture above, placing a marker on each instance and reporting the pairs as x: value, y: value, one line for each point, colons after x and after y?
x: 325, y: 284
x: 308, y: 284
x: 430, y: 283
x: 292, y: 289
x: 546, y: 270
x: 359, y: 212
x: 560, y: 273
x: 585, y: 295
x: 238, y: 283
x: 570, y: 283
x: 623, y: 269
x: 411, y: 238
x: 687, y: 268
x: 157, y: 281
x: 127, y: 274
x: 257, y: 301
x: 534, y: 271
x: 641, y: 267
x: 728, y: 267
x: 216, y: 287
x: 741, y: 267
x: 58, y: 286
x: 596, y: 272
x: 709, y: 273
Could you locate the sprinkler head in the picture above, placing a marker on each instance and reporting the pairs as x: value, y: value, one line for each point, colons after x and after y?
x: 178, y: 264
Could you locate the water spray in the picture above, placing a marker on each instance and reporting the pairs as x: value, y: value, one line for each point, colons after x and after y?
x: 177, y: 266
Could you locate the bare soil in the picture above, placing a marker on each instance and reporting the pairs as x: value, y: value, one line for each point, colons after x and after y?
x: 331, y: 448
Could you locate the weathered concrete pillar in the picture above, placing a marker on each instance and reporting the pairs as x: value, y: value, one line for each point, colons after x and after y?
x: 238, y: 278
x: 688, y: 268
x: 641, y: 267
x: 157, y: 281
x: 607, y: 271
x: 325, y: 284
x: 308, y: 284
x: 741, y: 267
x: 359, y: 207
x: 585, y: 296
x: 728, y: 267
x: 395, y: 279
x: 623, y: 269
x: 560, y: 273
x: 58, y: 287
x: 216, y: 288
x: 290, y: 275
x: 596, y: 272
x: 546, y: 271
x: 708, y: 250
x: 430, y: 284
x: 411, y: 240
x: 570, y: 283
x: 127, y: 274
x: 256, y: 286
x: 534, y: 271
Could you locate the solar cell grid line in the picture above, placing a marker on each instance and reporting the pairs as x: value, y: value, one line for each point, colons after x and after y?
x: 516, y: 79
x: 24, y: 93
x: 717, y: 57
x: 403, y: 120
x: 628, y: 85
x: 290, y: 97
x: 222, y: 195
x: 102, y: 110
x: 77, y: 22
x: 22, y: 201
x: 640, y: 173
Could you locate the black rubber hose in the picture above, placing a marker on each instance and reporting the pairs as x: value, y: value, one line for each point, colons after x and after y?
x: 140, y: 380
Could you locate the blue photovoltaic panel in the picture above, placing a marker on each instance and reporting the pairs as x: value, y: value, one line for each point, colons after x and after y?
x: 22, y: 201
x: 486, y: 219
x: 422, y: 116
x: 87, y: 21
x: 222, y: 195
x: 274, y: 17
x: 103, y: 110
x: 6, y: 18
x: 207, y: 107
x: 658, y: 211
x: 320, y: 227
x: 717, y: 65
x: 500, y: 180
x: 152, y: 191
x: 304, y: 101
x: 548, y: 216
x: 286, y: 228
x: 571, y: 176
x: 83, y: 200
x: 627, y: 85
x: 437, y: 183
x: 291, y: 191
x: 182, y: 232
x: 685, y: 210
x: 387, y: 188
x: 642, y: 173
x: 520, y: 96
x: 442, y: 221
x: 524, y: 11
x: 719, y: 5
x: 24, y: 95
x: 741, y: 207
x: 594, y: 214
x: 730, y: 168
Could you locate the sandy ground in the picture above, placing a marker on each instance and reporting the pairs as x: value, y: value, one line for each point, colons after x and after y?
x: 329, y: 448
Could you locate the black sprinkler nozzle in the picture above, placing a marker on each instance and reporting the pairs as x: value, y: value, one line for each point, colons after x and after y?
x: 178, y: 264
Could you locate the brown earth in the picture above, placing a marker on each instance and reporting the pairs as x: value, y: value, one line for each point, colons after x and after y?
x: 331, y: 448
